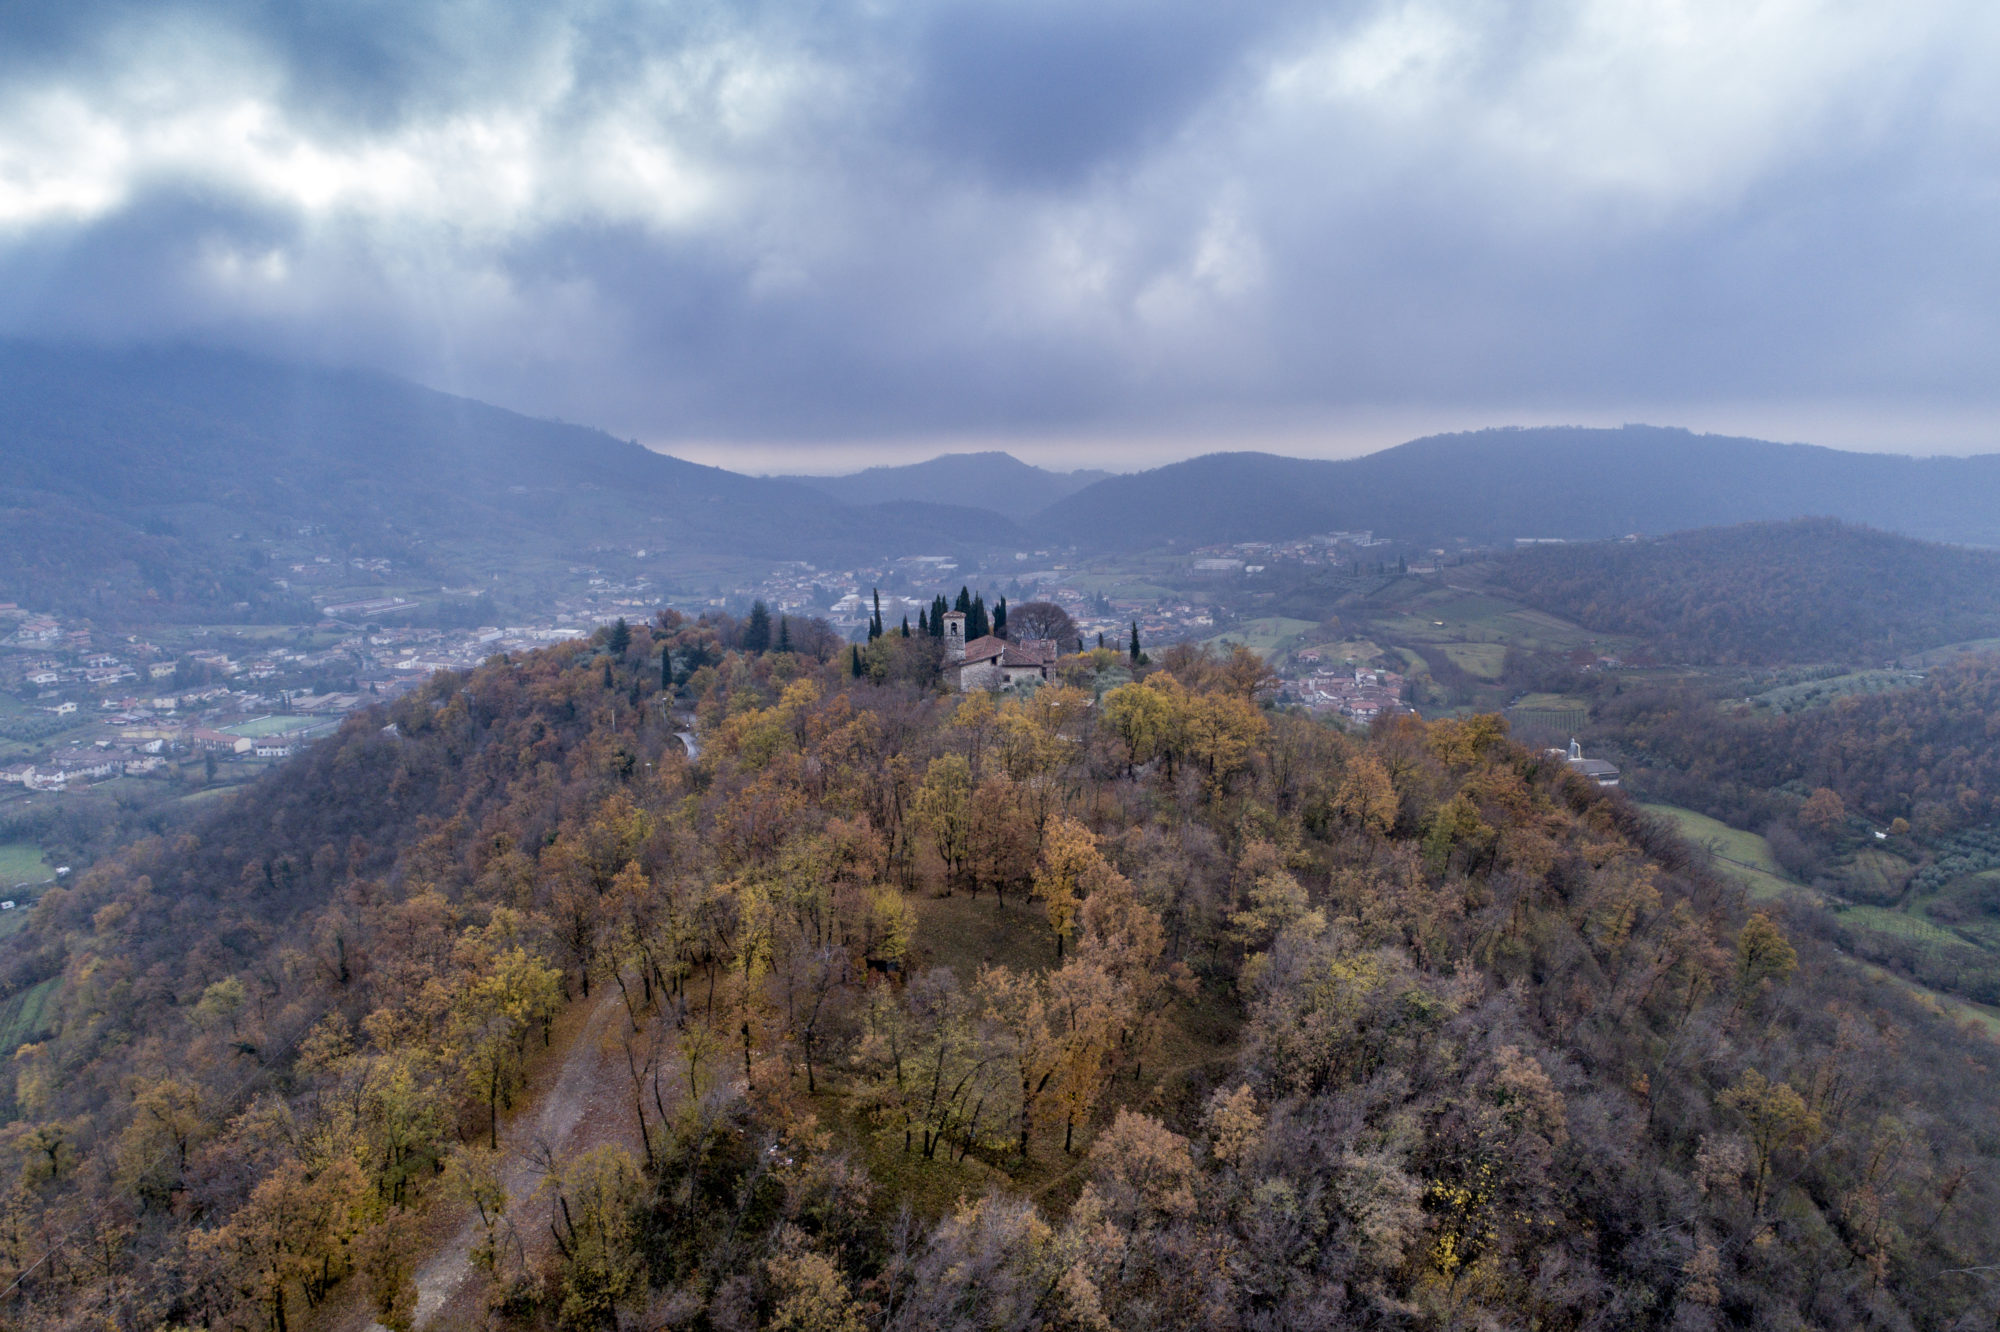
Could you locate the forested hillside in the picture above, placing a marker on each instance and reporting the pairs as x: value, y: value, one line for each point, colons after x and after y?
x: 996, y: 481
x: 1767, y: 593
x: 1136, y: 1009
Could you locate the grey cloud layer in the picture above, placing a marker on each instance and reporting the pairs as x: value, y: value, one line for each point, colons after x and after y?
x: 755, y: 220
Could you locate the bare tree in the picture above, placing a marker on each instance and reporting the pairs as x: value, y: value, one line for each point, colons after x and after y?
x: 1042, y: 619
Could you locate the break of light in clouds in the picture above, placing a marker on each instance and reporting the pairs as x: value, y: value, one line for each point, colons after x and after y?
x: 769, y: 234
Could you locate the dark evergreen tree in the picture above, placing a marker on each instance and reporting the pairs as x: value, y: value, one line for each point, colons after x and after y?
x: 906, y: 626
x: 964, y: 603
x: 1136, y: 654
x: 875, y: 622
x: 938, y: 608
x: 1000, y: 619
x: 757, y: 629
x: 1100, y: 638
x: 784, y: 633
x: 854, y: 660
x: 619, y: 639
x: 923, y: 621
x: 666, y: 669
x: 976, y: 625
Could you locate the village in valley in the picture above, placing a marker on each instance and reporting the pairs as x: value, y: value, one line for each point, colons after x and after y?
x: 1355, y: 627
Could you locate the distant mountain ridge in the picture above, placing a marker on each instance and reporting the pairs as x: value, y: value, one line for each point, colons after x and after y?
x: 123, y: 474
x: 1569, y: 482
x: 988, y: 480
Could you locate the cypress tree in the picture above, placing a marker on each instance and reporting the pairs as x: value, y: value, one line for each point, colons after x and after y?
x: 1135, y: 643
x: 975, y: 620
x: 964, y: 603
x: 906, y: 625
x: 923, y: 620
x: 757, y: 629
x: 784, y: 633
x: 854, y: 660
x: 875, y: 625
x: 666, y: 669
x: 1100, y: 638
x: 1000, y: 619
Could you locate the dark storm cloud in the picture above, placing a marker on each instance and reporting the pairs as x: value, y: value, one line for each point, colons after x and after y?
x: 790, y: 221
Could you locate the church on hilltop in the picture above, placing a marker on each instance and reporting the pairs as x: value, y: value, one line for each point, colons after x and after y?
x: 993, y: 663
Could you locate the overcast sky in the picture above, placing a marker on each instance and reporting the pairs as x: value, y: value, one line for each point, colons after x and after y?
x: 812, y: 234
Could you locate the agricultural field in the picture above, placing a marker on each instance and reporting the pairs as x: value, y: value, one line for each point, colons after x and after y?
x: 21, y: 862
x: 1267, y: 637
x: 1483, y: 660
x: 1901, y: 924
x: 25, y: 1016
x: 1450, y: 615
x: 1817, y: 693
x: 1743, y: 856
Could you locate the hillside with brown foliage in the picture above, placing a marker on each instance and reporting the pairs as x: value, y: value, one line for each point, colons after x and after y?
x: 1141, y: 1009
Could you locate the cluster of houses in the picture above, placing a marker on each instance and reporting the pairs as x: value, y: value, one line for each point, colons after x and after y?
x: 1359, y: 694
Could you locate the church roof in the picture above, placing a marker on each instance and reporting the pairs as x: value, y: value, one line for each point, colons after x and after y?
x: 1027, y: 652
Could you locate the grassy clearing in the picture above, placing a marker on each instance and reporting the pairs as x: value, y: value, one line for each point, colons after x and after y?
x: 26, y: 1015
x: 1484, y: 660
x: 1743, y: 856
x: 1552, y: 703
x: 22, y: 862
x: 1266, y: 636
x: 1899, y: 923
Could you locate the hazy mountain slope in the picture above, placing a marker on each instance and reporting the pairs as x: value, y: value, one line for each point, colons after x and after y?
x: 996, y: 481
x: 1764, y: 593
x: 1495, y: 485
x: 188, y: 447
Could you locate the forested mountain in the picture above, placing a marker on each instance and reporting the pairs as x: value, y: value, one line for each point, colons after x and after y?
x: 124, y: 474
x: 1767, y: 593
x: 1496, y: 485
x: 932, y: 1012
x: 996, y: 481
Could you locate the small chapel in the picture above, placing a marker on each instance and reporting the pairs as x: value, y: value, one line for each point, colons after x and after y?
x: 988, y: 662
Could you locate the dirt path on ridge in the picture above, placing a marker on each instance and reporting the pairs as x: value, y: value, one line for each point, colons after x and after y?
x: 577, y: 1102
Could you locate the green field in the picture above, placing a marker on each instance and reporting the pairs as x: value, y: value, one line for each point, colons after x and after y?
x: 21, y: 862
x: 1900, y: 923
x: 1484, y: 660
x: 1743, y: 856
x: 26, y: 1015
x: 1267, y: 635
